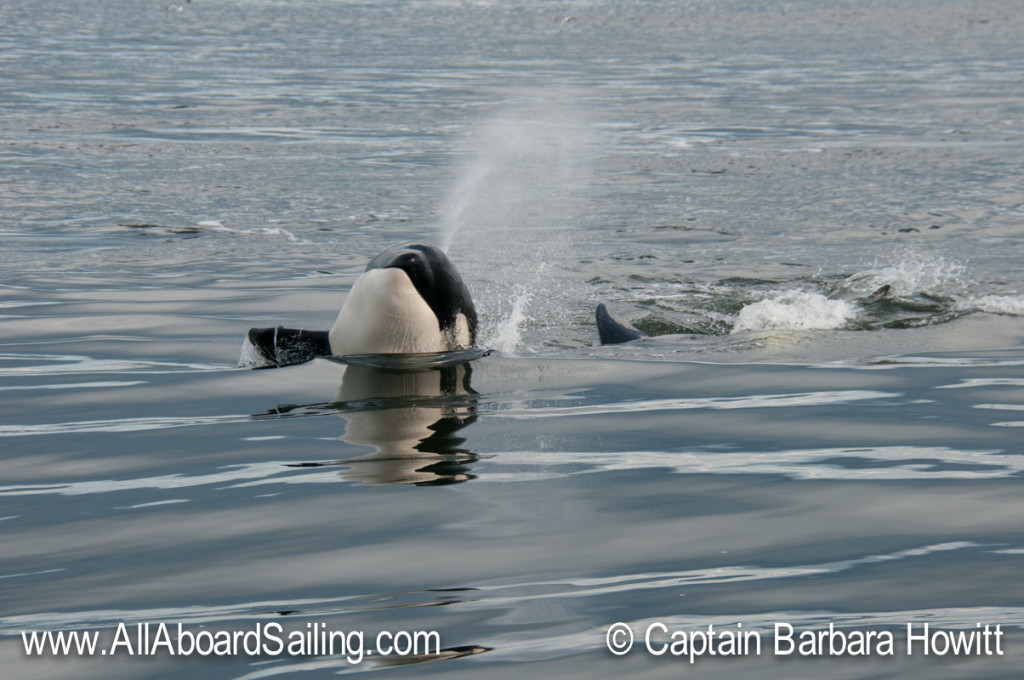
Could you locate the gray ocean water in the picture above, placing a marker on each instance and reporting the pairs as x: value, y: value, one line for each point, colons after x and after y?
x: 734, y: 178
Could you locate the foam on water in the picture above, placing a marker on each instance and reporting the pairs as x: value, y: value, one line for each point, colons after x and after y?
x: 795, y: 310
x: 924, y: 288
x: 1011, y: 305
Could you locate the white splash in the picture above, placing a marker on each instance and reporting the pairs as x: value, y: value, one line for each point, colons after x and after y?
x: 918, y: 272
x: 251, y: 357
x: 1011, y: 305
x: 914, y: 272
x: 506, y: 335
x: 795, y: 310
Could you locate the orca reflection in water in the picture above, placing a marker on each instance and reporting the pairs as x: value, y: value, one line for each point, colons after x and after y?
x: 411, y: 418
x: 409, y: 300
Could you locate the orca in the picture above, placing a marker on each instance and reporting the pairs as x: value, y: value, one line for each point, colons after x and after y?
x: 409, y: 300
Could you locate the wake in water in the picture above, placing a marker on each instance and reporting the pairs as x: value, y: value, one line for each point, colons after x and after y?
x: 921, y: 291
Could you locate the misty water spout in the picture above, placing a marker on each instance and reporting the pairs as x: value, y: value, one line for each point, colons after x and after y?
x: 512, y: 219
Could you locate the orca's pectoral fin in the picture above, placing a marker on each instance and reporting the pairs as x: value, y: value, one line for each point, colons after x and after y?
x: 613, y: 331
x: 272, y: 347
x: 258, y: 349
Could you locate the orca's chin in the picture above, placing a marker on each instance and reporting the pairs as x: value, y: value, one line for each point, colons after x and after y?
x: 384, y: 314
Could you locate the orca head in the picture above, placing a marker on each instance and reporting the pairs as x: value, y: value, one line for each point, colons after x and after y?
x: 410, y: 299
x: 435, y: 279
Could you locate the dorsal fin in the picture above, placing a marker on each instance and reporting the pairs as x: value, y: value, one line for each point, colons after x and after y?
x: 613, y: 331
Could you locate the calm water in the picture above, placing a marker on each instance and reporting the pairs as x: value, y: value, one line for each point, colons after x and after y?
x: 735, y: 179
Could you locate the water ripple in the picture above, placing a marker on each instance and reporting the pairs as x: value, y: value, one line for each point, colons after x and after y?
x: 983, y: 382
x: 226, y: 475
x: 528, y: 645
x: 74, y: 386
x: 711, y: 576
x: 717, y: 403
x: 949, y: 618
x: 118, y: 425
x: 73, y: 365
x: 880, y: 462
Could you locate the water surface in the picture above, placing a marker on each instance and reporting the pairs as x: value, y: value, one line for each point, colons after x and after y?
x: 735, y: 180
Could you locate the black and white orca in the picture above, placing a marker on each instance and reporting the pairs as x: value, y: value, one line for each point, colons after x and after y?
x: 409, y: 300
